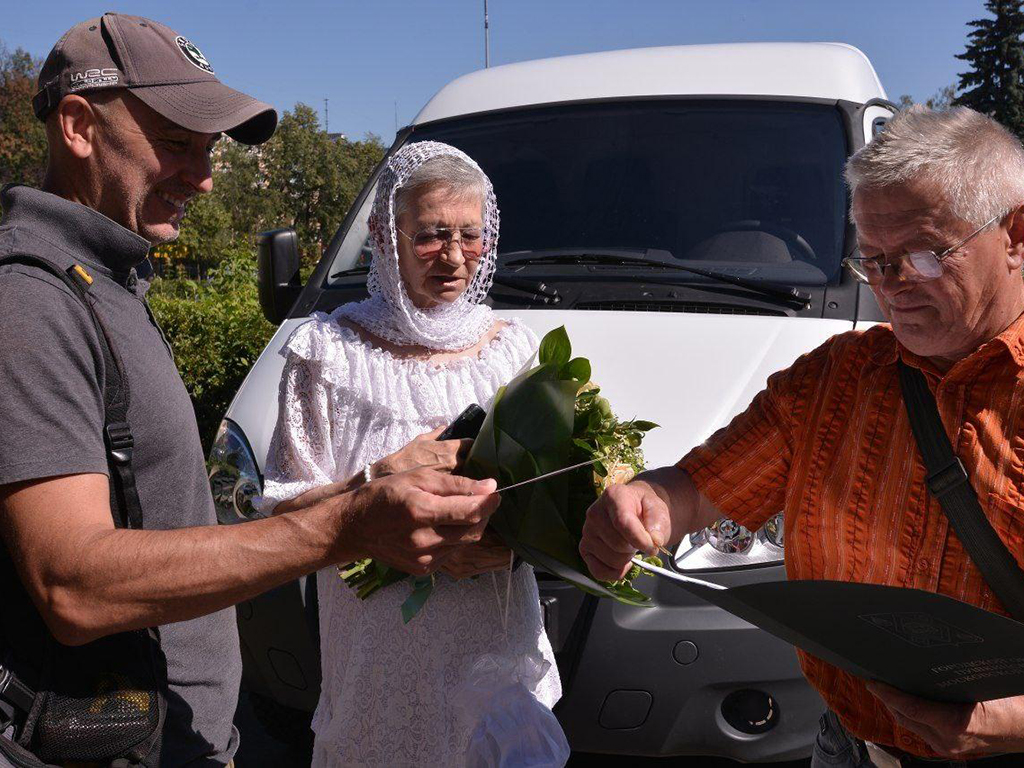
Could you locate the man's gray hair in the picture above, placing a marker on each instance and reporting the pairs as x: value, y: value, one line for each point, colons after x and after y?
x: 977, y: 162
x: 448, y: 172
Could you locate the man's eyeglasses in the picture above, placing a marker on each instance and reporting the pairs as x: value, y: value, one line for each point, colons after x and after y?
x: 429, y: 242
x: 914, y: 267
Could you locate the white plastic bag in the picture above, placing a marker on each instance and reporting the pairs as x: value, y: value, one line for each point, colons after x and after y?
x: 513, y: 729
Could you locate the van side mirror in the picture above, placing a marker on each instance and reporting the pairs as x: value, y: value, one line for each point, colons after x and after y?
x: 875, y: 115
x: 278, y: 280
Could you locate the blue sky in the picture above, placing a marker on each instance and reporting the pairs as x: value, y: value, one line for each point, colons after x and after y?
x: 373, y: 58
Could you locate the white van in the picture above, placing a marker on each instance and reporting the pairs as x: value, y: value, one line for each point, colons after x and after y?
x: 724, y: 158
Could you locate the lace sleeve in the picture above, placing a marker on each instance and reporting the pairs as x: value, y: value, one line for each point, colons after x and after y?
x: 300, y: 456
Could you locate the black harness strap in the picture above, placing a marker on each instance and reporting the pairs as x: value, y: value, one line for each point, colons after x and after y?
x: 124, y: 496
x: 949, y: 483
x: 14, y: 691
x: 140, y: 648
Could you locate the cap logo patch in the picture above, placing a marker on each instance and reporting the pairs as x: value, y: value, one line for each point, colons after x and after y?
x: 93, y: 78
x: 193, y: 54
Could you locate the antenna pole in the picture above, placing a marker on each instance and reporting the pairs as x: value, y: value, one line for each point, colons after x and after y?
x: 487, y: 38
x: 327, y: 119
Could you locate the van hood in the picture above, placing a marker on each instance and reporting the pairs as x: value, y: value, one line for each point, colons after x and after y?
x: 689, y: 373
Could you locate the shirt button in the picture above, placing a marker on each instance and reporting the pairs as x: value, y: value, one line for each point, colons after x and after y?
x: 923, y: 564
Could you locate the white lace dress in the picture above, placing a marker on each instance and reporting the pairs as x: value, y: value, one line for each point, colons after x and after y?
x: 386, y: 697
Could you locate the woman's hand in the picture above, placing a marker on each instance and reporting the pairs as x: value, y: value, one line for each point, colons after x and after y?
x: 424, y: 451
x: 488, y: 554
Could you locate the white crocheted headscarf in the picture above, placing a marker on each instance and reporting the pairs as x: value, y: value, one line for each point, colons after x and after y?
x: 389, y: 312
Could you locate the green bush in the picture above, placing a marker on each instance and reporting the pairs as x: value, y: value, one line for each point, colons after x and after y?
x: 216, y: 330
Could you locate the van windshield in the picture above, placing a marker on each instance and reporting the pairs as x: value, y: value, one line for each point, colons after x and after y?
x: 750, y: 188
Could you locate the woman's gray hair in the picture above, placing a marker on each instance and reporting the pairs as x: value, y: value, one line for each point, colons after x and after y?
x: 448, y: 172
x: 977, y: 162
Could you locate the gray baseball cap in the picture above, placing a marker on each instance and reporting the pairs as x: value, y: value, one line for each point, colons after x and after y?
x: 162, y: 68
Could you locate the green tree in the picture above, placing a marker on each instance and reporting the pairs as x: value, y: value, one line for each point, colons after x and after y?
x: 302, y: 178
x: 941, y: 99
x: 312, y: 178
x: 216, y: 330
x: 994, y: 85
x: 206, y: 238
x: 240, y: 185
x: 22, y: 136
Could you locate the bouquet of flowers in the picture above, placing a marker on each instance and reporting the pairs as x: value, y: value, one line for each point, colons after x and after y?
x: 547, y: 418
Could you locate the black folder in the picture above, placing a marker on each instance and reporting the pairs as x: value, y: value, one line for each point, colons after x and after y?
x: 923, y: 643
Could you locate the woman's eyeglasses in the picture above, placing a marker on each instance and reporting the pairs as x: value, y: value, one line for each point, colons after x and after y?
x: 429, y: 242
x: 914, y: 267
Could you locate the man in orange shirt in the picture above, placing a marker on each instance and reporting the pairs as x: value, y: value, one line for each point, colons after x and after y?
x: 938, y: 201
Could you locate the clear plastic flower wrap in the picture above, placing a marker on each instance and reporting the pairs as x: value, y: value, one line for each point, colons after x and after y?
x: 512, y: 729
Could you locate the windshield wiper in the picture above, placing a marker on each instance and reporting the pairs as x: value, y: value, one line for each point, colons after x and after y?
x: 589, y: 258
x: 365, y: 269
x: 541, y: 292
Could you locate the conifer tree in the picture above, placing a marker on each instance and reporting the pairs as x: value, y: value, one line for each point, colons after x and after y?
x: 995, y: 51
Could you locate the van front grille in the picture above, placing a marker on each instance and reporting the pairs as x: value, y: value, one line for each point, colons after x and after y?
x: 677, y: 306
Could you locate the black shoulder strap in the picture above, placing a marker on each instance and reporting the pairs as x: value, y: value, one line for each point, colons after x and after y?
x: 124, y: 496
x: 949, y: 483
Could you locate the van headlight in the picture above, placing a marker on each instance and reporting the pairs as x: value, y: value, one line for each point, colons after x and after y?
x: 727, y: 544
x: 234, y: 477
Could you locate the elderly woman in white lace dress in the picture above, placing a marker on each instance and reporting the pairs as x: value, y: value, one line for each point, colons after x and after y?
x: 365, y: 390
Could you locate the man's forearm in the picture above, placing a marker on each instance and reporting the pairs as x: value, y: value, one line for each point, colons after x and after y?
x: 117, y: 580
x: 688, y: 510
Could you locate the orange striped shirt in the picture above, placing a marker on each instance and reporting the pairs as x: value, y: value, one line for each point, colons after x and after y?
x: 828, y: 442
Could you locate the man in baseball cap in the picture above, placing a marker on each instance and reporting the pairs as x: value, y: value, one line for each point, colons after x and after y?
x: 108, y: 534
x: 132, y: 111
x: 157, y: 65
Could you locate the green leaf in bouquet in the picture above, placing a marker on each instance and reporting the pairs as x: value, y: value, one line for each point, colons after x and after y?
x: 515, y: 464
x: 582, y: 493
x: 627, y: 593
x: 577, y: 369
x: 585, y: 446
x: 422, y: 586
x: 643, y: 426
x: 578, y: 578
x: 482, y: 461
x: 542, y: 526
x: 580, y: 424
x: 539, y: 416
x: 356, y: 568
x: 555, y: 348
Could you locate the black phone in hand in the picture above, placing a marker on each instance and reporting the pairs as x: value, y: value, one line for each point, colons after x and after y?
x: 466, y: 425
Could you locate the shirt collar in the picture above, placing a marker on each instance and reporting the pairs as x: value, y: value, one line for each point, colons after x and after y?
x: 83, y: 232
x: 1010, y: 341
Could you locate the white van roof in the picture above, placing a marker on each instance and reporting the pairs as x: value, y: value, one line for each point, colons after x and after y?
x: 801, y: 70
